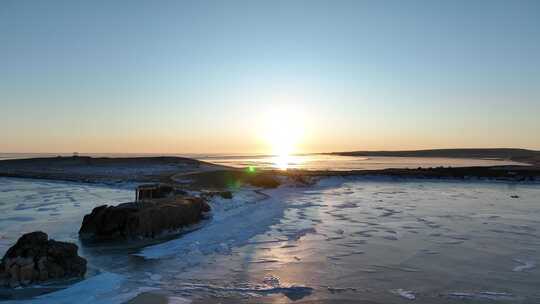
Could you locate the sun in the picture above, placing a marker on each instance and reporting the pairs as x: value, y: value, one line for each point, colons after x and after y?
x: 282, y: 140
x: 283, y: 132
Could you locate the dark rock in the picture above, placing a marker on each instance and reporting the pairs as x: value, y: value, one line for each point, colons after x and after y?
x: 224, y: 194
x: 264, y: 181
x: 205, y: 207
x: 180, y: 192
x: 300, y: 180
x: 35, y: 258
x: 145, y: 219
x: 153, y: 191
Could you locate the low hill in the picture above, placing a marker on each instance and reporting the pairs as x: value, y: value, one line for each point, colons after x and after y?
x: 102, y: 169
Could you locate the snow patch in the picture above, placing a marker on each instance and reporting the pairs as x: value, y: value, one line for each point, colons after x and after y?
x: 406, y: 294
x: 490, y: 295
x: 234, y: 223
x: 525, y: 265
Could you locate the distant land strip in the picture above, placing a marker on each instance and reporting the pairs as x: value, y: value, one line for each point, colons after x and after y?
x: 194, y: 174
x: 531, y: 157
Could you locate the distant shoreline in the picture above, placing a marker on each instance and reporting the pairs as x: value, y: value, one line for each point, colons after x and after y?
x: 531, y: 157
x: 113, y: 171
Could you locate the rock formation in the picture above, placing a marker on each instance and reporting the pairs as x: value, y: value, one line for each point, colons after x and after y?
x: 35, y: 258
x: 144, y: 219
x: 226, y: 194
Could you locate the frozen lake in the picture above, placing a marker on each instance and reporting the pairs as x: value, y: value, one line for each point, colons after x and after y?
x: 344, y: 240
x: 54, y: 207
x: 310, y: 161
x: 337, y: 162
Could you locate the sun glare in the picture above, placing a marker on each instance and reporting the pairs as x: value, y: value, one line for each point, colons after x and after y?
x: 283, y: 132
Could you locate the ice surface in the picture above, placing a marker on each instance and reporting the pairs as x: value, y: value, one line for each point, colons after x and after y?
x: 101, y: 288
x: 55, y: 207
x: 525, y: 265
x: 377, y: 239
x: 490, y: 295
x: 234, y: 222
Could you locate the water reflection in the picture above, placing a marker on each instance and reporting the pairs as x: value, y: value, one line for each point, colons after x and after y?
x: 384, y: 241
x: 334, y: 162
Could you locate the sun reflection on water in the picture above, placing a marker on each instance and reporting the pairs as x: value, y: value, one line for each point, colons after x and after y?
x: 282, y: 161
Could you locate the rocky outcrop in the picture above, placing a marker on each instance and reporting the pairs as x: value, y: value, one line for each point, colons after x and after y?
x: 146, y: 219
x: 35, y: 258
x: 223, y: 194
x: 263, y: 181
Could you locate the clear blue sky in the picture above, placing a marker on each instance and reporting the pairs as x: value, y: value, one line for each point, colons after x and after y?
x: 202, y: 76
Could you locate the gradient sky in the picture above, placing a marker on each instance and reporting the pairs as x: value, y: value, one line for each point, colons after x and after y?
x: 209, y: 76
